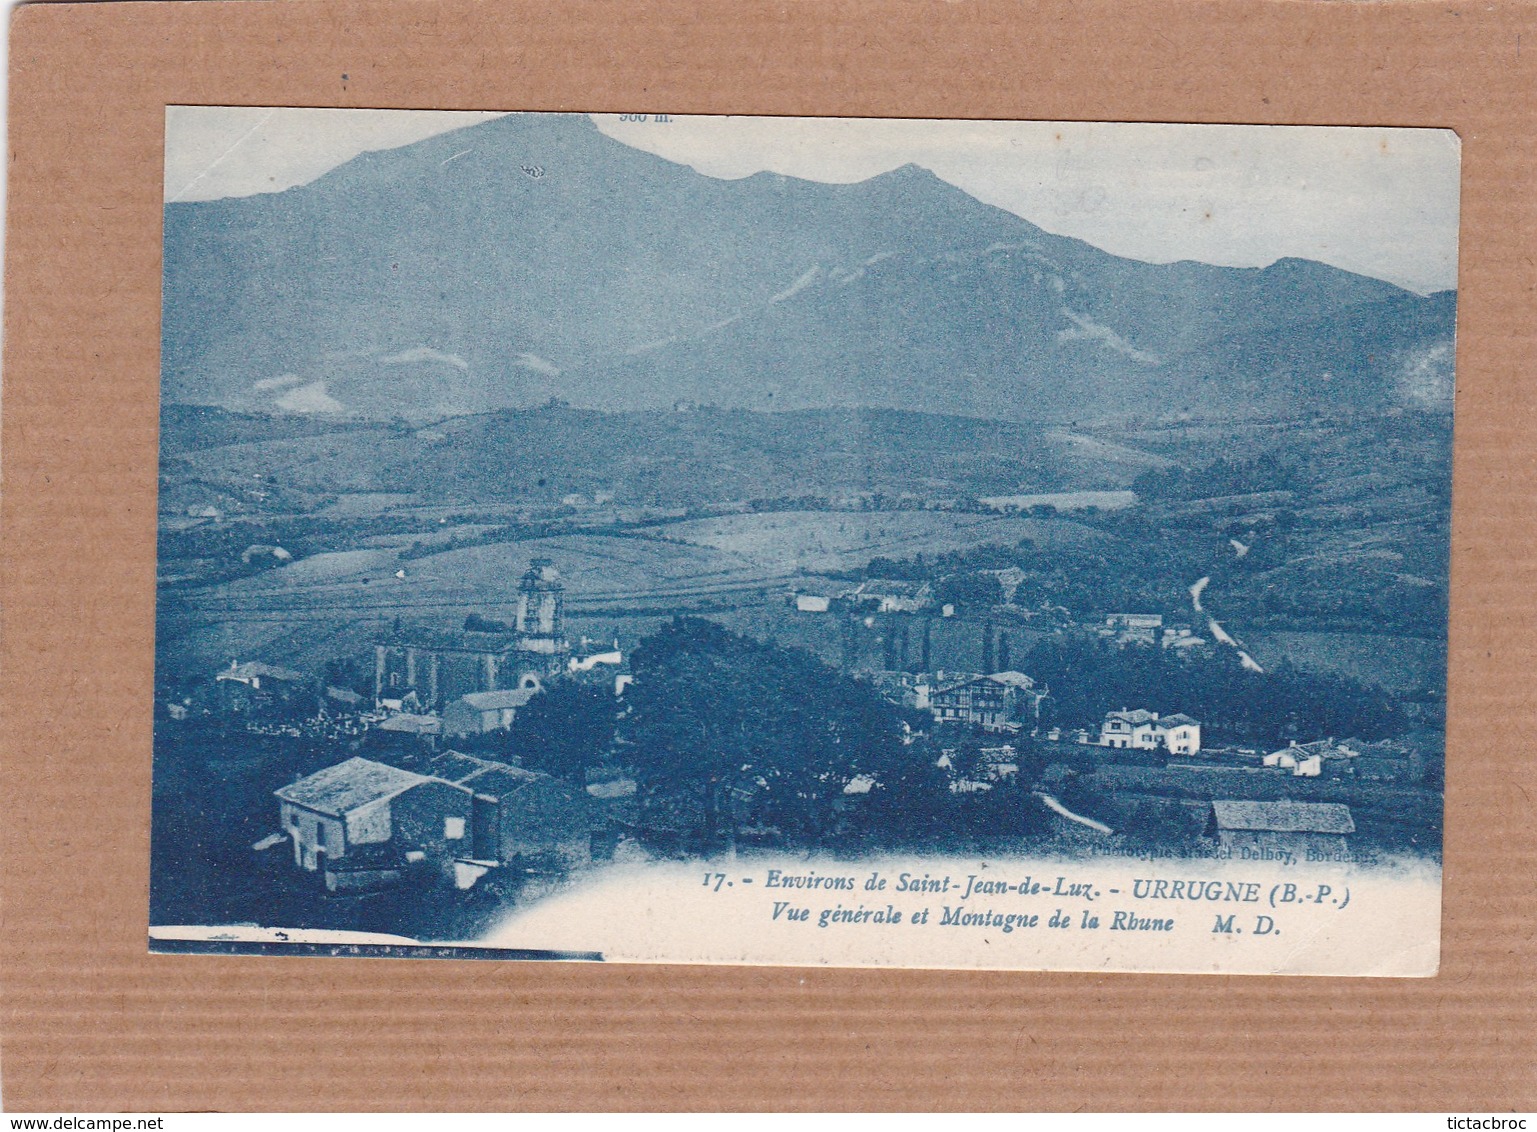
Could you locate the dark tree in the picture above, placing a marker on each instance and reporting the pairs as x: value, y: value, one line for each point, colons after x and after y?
x: 718, y: 720
x: 973, y: 590
x: 475, y: 623
x: 353, y: 673
x: 1089, y: 677
x: 565, y: 729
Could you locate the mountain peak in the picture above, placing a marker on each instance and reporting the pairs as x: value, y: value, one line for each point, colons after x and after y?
x: 533, y: 256
x: 1323, y: 274
x: 914, y: 173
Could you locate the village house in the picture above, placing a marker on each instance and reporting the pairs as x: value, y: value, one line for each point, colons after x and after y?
x: 1133, y: 628
x: 1180, y: 637
x: 334, y: 815
x: 518, y: 813
x: 1321, y: 758
x: 407, y: 723
x: 254, y: 687
x: 1145, y: 730
x: 529, y: 816
x: 254, y: 674
x: 363, y: 822
x: 1077, y: 736
x: 1261, y: 830
x: 1383, y: 761
x: 907, y: 689
x: 999, y: 702
x: 1148, y: 629
x: 889, y: 596
x: 442, y: 665
x: 812, y: 603
x: 480, y: 713
x: 588, y: 655
x: 483, y: 712
x: 1130, y: 729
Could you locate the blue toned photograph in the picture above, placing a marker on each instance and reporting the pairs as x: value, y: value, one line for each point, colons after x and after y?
x: 863, y: 542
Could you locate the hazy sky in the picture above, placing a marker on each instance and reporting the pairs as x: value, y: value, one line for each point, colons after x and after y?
x: 1382, y: 202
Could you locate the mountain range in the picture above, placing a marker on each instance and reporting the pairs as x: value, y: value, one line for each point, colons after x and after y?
x: 532, y: 258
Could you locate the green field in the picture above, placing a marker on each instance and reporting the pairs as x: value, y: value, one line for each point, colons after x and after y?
x: 739, y: 562
x: 814, y: 541
x: 1399, y: 664
x: 1343, y: 556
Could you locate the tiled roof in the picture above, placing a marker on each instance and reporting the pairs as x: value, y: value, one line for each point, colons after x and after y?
x: 1323, y: 748
x: 452, y: 640
x: 454, y: 766
x: 1005, y: 679
x: 880, y: 587
x: 619, y: 788
x: 340, y: 789
x: 1012, y: 679
x: 495, y: 701
x: 1284, y: 817
x: 501, y: 781
x: 412, y: 724
x: 255, y: 668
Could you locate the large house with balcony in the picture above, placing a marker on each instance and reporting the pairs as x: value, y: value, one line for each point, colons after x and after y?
x: 999, y: 702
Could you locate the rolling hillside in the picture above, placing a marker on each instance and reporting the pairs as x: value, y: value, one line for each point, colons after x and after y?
x: 663, y: 458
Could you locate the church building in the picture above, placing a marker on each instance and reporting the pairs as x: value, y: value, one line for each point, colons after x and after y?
x: 440, y: 666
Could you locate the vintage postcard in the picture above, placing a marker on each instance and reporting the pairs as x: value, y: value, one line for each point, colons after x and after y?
x: 804, y: 541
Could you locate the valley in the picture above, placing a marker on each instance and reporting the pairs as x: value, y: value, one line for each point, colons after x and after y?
x: 1340, y: 555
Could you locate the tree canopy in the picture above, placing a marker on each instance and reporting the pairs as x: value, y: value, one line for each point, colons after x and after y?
x: 1089, y: 677
x: 728, y: 721
x: 565, y: 729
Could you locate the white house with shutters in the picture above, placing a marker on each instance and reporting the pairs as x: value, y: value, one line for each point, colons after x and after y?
x: 1147, y: 730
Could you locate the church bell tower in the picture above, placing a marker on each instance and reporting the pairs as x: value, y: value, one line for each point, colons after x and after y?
x: 541, y: 609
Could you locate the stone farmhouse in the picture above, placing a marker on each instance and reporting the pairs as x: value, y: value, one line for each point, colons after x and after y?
x: 363, y: 823
x: 1260, y: 830
x: 257, y: 688
x: 480, y: 713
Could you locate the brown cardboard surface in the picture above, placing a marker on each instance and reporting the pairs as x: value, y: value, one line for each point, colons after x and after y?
x: 91, y: 1021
